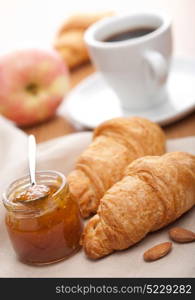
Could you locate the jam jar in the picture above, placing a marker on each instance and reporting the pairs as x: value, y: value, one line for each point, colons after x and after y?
x: 47, y: 229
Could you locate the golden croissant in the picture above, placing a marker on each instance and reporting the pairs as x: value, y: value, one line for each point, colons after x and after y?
x: 116, y: 143
x: 69, y: 41
x: 156, y: 191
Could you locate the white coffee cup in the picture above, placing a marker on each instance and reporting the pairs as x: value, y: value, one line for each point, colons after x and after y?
x: 136, y: 69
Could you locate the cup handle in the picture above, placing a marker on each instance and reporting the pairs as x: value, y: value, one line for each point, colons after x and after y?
x: 158, y: 67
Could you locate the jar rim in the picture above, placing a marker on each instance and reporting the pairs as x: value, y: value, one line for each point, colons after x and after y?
x: 14, y: 207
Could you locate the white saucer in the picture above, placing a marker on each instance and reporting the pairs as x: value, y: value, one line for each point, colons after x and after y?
x: 93, y: 102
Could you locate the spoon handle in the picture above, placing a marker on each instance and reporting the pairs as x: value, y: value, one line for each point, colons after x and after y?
x: 32, y: 158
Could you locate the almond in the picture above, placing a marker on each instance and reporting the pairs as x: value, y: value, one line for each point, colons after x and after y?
x: 181, y: 235
x: 157, y: 251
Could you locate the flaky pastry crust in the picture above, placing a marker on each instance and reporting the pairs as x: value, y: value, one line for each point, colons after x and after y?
x: 116, y: 143
x: 155, y: 191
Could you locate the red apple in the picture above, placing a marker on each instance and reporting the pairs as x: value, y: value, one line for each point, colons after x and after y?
x: 32, y: 85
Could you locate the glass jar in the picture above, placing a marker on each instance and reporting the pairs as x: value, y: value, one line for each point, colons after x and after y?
x: 45, y: 230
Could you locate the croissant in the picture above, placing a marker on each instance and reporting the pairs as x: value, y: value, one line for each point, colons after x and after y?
x: 155, y: 192
x: 116, y: 143
x: 69, y: 41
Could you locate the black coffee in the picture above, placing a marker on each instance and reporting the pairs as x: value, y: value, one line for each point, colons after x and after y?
x: 129, y: 34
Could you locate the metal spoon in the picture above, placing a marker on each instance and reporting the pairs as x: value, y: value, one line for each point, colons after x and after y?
x: 32, y: 158
x: 35, y: 191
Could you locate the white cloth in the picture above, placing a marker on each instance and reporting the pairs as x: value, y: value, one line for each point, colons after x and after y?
x: 60, y: 154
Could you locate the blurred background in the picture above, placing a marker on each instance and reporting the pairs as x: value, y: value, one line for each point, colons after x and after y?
x: 36, y: 21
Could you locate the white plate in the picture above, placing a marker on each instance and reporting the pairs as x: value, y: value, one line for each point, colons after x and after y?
x: 93, y: 102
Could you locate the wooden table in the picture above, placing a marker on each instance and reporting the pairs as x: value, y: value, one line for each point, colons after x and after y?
x: 59, y: 126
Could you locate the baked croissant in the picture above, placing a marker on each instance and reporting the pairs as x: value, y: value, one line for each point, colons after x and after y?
x: 69, y: 41
x: 116, y: 143
x: 155, y: 192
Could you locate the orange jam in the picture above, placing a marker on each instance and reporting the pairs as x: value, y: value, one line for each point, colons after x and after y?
x: 45, y: 230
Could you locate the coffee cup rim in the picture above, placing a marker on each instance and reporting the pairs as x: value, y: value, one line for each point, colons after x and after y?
x: 90, y: 33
